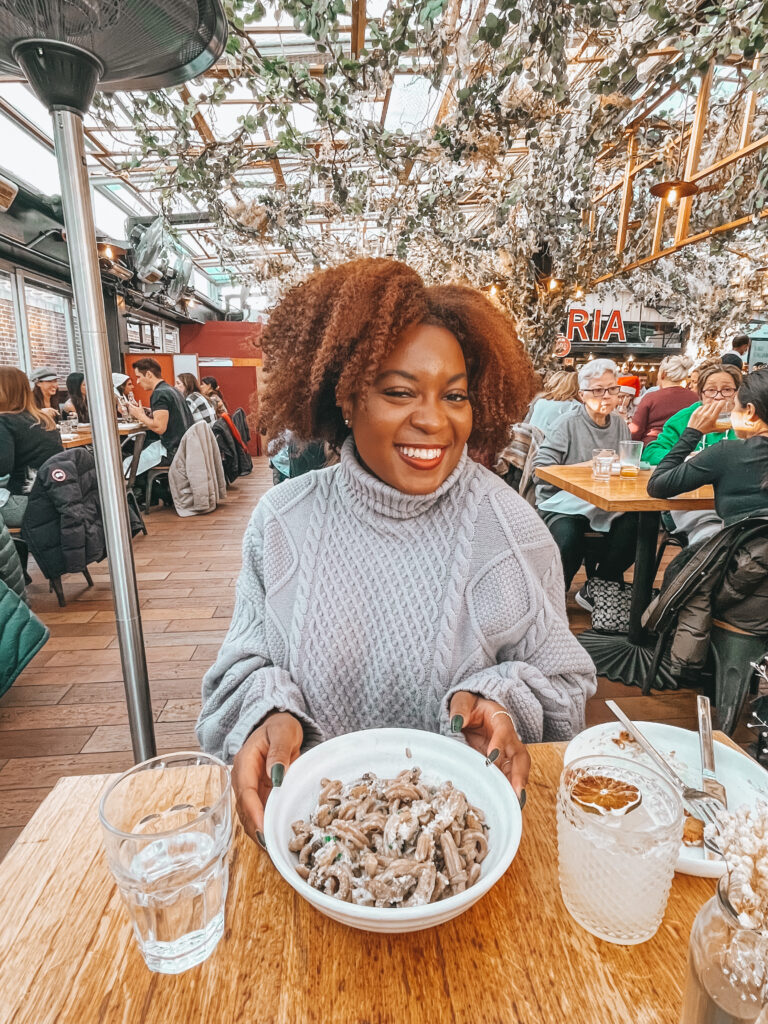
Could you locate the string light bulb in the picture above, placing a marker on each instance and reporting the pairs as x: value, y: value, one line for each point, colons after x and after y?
x: 108, y: 252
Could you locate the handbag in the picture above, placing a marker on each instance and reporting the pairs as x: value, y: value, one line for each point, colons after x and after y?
x: 611, y: 605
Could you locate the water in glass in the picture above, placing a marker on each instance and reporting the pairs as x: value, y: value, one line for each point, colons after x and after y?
x: 599, y: 852
x: 168, y: 828
x: 602, y: 460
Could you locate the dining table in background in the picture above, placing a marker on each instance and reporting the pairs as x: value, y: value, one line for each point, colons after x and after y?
x: 627, y: 657
x: 67, y: 953
x: 81, y: 438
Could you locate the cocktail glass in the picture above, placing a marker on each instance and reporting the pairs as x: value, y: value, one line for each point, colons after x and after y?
x: 167, y: 827
x: 616, y: 869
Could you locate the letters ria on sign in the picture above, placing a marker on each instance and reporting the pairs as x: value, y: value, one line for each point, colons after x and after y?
x: 603, y: 326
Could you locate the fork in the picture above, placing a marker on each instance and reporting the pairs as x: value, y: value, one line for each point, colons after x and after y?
x: 700, y: 804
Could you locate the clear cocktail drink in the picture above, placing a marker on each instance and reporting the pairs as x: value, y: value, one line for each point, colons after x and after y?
x: 616, y: 868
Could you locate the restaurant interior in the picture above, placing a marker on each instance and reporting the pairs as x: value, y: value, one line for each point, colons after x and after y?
x: 291, y: 734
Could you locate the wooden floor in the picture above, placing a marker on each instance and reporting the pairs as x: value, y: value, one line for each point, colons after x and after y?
x: 65, y: 715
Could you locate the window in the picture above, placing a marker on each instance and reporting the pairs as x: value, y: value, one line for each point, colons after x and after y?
x: 48, y: 325
x: 9, y: 349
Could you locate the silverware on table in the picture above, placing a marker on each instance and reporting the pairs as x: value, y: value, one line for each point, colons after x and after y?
x: 700, y: 804
x: 709, y: 781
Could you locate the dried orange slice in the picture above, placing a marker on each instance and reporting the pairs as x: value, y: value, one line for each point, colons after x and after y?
x: 600, y: 794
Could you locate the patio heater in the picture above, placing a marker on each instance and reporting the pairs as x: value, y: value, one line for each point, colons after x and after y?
x: 67, y: 49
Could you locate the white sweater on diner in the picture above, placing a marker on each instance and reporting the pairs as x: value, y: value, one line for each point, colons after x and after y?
x: 359, y: 606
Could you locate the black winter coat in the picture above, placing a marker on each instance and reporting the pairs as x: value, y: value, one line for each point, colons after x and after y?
x: 227, y: 449
x: 244, y: 460
x: 62, y: 524
x: 726, y: 579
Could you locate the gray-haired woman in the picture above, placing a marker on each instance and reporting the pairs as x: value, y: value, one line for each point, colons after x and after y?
x: 573, y: 438
x: 655, y: 407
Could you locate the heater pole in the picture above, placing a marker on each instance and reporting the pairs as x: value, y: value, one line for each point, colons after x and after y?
x: 86, y: 282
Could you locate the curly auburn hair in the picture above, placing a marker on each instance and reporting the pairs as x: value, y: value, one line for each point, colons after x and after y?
x: 327, y: 338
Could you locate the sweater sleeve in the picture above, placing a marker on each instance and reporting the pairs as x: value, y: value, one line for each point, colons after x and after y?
x: 244, y: 686
x: 671, y: 432
x: 674, y: 475
x: 542, y: 675
x: 552, y: 451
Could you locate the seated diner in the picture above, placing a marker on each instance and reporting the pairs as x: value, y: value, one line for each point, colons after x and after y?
x: 28, y: 437
x: 428, y: 593
x: 573, y: 439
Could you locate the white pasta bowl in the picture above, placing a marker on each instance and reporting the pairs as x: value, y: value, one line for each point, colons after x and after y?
x: 386, y: 753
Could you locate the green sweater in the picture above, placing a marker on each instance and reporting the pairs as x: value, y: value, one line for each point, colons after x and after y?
x: 671, y: 433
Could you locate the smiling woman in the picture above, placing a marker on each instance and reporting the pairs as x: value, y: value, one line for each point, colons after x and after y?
x: 406, y: 586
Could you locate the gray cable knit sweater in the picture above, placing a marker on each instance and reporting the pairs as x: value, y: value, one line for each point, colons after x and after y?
x: 359, y: 606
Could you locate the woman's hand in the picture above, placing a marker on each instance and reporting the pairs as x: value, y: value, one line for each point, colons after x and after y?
x: 705, y: 417
x: 488, y: 727
x: 260, y: 765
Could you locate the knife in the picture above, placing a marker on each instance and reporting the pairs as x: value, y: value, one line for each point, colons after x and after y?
x: 709, y: 781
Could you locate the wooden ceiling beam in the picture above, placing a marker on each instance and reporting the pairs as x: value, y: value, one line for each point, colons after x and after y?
x: 359, y: 25
x: 202, y: 126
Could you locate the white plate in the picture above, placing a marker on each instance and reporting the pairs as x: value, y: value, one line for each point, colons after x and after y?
x: 745, y: 780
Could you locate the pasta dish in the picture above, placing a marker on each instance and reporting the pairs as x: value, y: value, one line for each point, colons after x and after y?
x: 391, y: 842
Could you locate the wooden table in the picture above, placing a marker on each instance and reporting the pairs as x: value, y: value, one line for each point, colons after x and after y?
x: 628, y: 658
x: 67, y: 953
x: 85, y: 437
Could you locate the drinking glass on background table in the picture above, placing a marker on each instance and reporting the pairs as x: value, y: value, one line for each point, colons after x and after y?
x: 602, y: 460
x: 167, y: 827
x: 619, y: 829
x: 630, y: 454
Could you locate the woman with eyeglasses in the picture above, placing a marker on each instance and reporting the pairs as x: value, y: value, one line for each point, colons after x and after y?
x: 573, y: 439
x: 717, y: 384
x: 737, y: 470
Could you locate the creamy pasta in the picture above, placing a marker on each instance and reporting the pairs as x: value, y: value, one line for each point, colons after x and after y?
x: 391, y: 842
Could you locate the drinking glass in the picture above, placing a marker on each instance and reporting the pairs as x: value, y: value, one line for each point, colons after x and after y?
x: 167, y: 826
x: 72, y: 422
x: 727, y: 967
x: 630, y: 453
x: 602, y: 460
x: 616, y: 869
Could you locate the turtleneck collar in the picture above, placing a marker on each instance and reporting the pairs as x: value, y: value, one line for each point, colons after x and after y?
x: 367, y: 494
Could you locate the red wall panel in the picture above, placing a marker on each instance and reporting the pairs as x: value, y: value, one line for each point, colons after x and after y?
x: 237, y: 383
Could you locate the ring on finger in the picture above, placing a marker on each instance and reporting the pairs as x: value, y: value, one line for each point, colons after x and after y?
x: 495, y: 713
x: 504, y: 763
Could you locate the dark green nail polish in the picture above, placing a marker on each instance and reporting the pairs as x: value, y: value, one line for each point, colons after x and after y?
x: 277, y: 774
x: 522, y: 799
x: 260, y: 840
x: 493, y: 755
x: 456, y: 723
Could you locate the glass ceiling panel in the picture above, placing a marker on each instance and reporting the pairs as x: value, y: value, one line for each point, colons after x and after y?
x: 24, y: 100
x: 109, y: 218
x: 412, y: 101
x: 27, y: 158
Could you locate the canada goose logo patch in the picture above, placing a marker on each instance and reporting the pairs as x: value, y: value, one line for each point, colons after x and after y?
x: 58, y: 475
